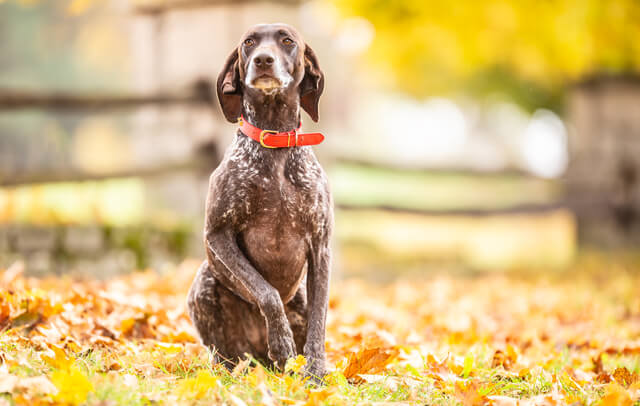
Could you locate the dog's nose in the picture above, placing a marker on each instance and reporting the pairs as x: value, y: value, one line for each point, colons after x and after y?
x: 263, y: 60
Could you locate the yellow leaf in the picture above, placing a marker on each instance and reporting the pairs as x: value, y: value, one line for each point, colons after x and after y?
x: 59, y: 360
x: 317, y: 397
x: 169, y: 348
x: 181, y: 337
x: 73, y: 386
x: 295, y: 364
x: 127, y: 325
x: 256, y: 376
x: 197, y: 386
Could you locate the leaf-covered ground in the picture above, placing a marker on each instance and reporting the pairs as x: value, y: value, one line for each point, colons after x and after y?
x: 572, y: 337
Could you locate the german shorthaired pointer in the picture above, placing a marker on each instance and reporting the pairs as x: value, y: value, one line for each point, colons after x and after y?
x: 263, y: 289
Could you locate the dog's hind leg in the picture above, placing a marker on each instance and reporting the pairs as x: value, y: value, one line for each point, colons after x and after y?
x: 296, y: 310
x: 227, y: 325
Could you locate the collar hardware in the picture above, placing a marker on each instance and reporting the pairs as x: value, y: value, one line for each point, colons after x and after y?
x: 275, y: 139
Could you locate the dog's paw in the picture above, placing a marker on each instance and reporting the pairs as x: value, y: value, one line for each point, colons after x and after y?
x: 281, y: 348
x: 315, y: 370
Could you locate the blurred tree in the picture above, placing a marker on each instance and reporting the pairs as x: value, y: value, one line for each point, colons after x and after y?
x: 529, y: 49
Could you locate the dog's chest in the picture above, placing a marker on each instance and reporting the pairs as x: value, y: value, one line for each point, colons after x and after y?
x: 279, y: 208
x: 283, y: 195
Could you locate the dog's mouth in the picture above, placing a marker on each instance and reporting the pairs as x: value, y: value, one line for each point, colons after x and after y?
x: 266, y: 83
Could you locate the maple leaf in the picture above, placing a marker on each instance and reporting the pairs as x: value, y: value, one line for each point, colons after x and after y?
x: 624, y: 377
x: 435, y: 365
x: 59, y: 359
x: 368, y: 360
x: 468, y: 394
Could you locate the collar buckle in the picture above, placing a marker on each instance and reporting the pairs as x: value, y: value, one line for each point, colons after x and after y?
x: 263, y: 135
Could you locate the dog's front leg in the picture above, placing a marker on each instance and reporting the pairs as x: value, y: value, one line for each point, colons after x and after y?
x: 318, y: 299
x: 247, y: 282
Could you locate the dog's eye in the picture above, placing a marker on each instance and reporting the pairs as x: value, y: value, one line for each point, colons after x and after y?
x: 248, y: 42
x: 287, y: 41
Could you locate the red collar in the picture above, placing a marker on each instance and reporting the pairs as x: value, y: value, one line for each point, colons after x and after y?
x: 274, y: 139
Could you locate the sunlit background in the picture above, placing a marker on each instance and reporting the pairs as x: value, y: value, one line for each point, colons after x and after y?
x: 468, y: 135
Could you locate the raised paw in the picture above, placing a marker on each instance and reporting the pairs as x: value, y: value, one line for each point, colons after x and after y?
x: 281, y: 347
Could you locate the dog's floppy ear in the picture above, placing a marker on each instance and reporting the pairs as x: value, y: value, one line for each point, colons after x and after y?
x: 230, y: 89
x: 312, y: 84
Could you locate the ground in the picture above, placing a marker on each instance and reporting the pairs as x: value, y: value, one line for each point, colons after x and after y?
x: 529, y: 337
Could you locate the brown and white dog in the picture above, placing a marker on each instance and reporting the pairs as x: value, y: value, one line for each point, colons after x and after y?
x: 263, y: 289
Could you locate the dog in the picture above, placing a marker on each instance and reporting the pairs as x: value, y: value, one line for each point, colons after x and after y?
x: 263, y: 288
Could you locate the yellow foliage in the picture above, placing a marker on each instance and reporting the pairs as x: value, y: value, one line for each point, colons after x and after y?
x: 295, y: 364
x: 59, y: 360
x: 616, y: 395
x: 197, y: 386
x: 72, y: 384
x: 439, y: 44
x: 169, y: 348
x: 318, y: 397
x: 391, y: 339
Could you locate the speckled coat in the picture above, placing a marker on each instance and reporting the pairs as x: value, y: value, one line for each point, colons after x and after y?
x: 263, y: 289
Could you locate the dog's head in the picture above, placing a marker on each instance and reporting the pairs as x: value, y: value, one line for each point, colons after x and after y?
x: 274, y: 60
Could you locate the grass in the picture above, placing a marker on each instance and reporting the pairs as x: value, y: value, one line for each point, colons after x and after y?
x: 411, y: 189
x: 566, y: 337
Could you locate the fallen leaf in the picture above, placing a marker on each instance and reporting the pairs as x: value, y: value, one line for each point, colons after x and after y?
x: 295, y: 364
x: 59, y: 360
x: 467, y: 393
x: 241, y: 366
x: 72, y: 384
x: 616, y: 395
x: 624, y: 377
x: 197, y: 386
x: 319, y: 396
x: 368, y: 361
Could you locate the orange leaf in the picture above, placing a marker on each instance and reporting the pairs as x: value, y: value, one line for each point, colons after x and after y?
x: 624, y: 377
x: 616, y: 395
x: 468, y: 394
x: 370, y: 361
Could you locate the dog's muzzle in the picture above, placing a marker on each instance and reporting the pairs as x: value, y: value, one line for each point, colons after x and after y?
x: 266, y: 73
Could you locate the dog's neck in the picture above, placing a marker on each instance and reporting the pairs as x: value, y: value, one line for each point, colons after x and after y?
x: 278, y: 112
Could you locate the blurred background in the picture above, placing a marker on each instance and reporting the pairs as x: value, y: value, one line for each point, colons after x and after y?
x: 463, y: 135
